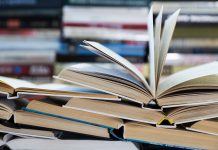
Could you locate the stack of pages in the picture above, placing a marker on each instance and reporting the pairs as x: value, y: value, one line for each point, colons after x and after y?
x: 179, y: 111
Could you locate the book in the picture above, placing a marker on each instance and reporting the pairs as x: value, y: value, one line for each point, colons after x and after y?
x: 11, y: 111
x: 42, y: 144
x: 25, y: 22
x: 21, y: 70
x: 114, y: 3
x: 115, y: 17
x: 129, y: 130
x: 50, y: 122
x: 160, y: 112
x: 22, y: 4
x: 14, y: 88
x: 204, y: 126
x: 93, y: 59
x: 130, y: 83
x: 104, y: 34
x: 27, y: 133
x: 105, y: 23
x: 123, y: 49
x: 175, y: 117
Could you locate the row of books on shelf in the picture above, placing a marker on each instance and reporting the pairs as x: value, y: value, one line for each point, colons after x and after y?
x: 105, y: 23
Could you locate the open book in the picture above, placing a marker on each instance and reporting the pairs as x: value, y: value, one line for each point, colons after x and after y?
x: 194, y: 86
x: 16, y: 88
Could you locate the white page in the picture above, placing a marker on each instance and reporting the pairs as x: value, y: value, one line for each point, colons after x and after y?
x: 151, y: 52
x: 44, y: 144
x: 96, y: 70
x: 187, y: 75
x: 112, y: 56
x: 16, y: 83
x: 67, y: 88
x: 158, y: 22
x: 166, y: 37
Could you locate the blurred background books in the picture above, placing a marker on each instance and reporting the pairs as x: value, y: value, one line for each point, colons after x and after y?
x: 40, y: 37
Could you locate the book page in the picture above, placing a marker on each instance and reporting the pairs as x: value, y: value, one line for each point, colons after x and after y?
x: 16, y: 83
x: 158, y: 22
x: 209, y: 126
x: 119, y: 88
x: 192, y: 114
x: 205, y: 82
x: 151, y: 52
x: 98, y: 70
x: 166, y: 37
x: 74, y: 144
x: 7, y: 105
x: 187, y: 75
x: 188, y: 98
x: 27, y: 132
x: 112, y: 56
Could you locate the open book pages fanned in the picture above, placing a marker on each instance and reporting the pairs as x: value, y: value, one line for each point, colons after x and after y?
x: 194, y: 86
x: 118, y: 103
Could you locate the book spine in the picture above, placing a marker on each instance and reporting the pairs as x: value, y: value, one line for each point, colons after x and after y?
x: 130, y: 3
x: 31, y: 70
x: 137, y: 50
x: 54, y: 12
x: 176, y: 59
x: 108, y: 25
x: 194, y: 19
x: 74, y: 58
x: 29, y: 33
x: 187, y: 7
x: 98, y: 15
x: 30, y: 45
x: 18, y: 4
x: 20, y: 23
x: 27, y: 56
x: 104, y: 34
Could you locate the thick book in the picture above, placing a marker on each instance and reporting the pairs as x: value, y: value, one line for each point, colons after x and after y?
x: 166, y: 108
x: 192, y: 86
x: 42, y: 144
x: 11, y: 112
x: 197, y: 136
x: 15, y: 88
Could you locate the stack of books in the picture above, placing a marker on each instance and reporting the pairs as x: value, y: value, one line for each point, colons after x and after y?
x: 179, y: 111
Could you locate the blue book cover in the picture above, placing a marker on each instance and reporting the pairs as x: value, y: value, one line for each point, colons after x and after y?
x: 137, y: 50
